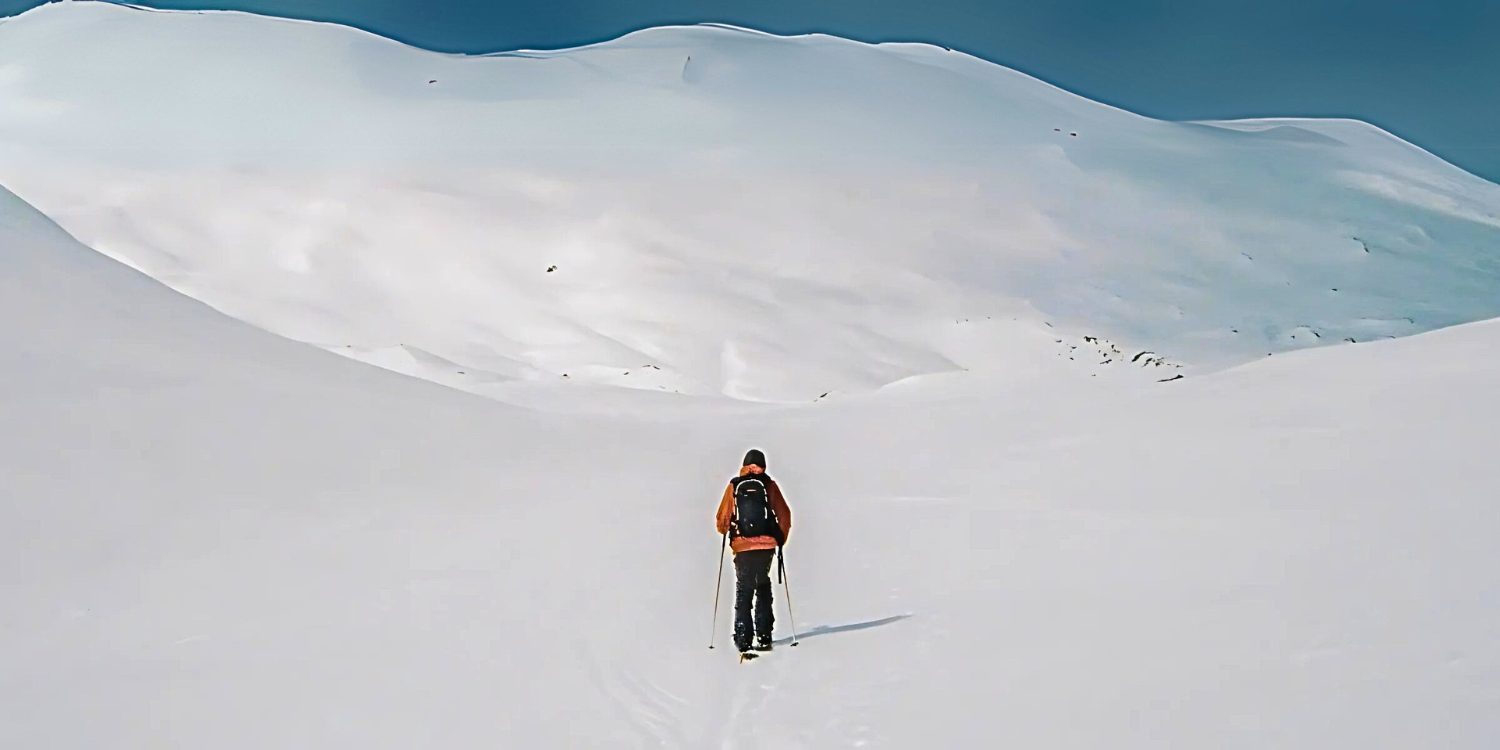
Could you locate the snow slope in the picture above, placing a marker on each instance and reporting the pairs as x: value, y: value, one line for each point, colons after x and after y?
x: 728, y: 213
x: 213, y: 537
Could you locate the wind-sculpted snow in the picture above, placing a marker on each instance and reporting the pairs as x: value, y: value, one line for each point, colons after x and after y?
x: 722, y: 211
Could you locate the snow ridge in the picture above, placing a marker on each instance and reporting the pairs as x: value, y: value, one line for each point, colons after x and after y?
x: 818, y: 206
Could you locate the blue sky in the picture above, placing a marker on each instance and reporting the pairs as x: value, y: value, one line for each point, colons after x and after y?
x: 1427, y: 71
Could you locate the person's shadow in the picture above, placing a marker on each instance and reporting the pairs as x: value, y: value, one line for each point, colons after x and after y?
x: 830, y: 629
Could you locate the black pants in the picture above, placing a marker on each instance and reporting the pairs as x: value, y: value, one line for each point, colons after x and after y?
x: 752, y: 592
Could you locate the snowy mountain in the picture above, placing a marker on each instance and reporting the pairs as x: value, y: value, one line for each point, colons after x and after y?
x: 1006, y: 530
x: 216, y: 538
x: 709, y: 210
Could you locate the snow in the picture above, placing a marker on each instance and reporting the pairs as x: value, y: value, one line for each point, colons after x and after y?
x: 940, y: 318
x: 752, y: 217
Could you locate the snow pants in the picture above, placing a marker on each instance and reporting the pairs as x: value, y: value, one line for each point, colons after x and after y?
x: 752, y: 594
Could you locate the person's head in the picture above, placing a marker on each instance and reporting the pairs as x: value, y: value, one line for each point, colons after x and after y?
x: 755, y: 458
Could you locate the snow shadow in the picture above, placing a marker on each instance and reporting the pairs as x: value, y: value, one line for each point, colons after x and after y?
x: 831, y: 629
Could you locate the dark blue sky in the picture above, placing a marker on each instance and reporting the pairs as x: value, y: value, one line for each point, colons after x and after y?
x: 1427, y: 71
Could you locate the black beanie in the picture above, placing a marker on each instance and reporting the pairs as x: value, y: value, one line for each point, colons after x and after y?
x: 755, y: 457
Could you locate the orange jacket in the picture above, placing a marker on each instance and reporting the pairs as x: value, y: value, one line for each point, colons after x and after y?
x: 778, y: 506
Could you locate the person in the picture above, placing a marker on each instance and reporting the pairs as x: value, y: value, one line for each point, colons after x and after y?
x: 756, y: 518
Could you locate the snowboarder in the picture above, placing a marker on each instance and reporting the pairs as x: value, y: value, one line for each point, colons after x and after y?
x: 757, y: 520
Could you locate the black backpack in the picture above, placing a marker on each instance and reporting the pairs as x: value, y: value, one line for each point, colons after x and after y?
x: 753, y: 515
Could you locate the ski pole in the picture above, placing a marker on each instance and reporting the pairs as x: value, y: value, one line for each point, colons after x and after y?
x: 787, y: 585
x: 717, y: 585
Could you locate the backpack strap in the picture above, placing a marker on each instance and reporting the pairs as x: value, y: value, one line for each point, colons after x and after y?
x: 762, y: 477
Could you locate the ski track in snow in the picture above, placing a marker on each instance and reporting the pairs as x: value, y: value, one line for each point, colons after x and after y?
x: 655, y: 722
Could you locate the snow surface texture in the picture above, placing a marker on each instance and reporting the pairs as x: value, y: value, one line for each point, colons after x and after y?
x: 211, y: 536
x: 711, y: 211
